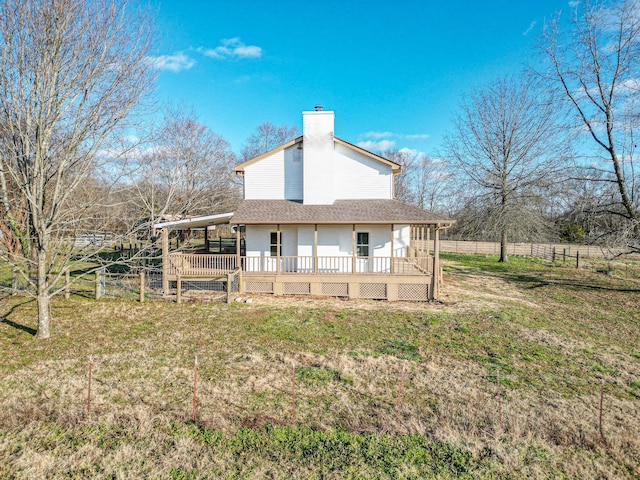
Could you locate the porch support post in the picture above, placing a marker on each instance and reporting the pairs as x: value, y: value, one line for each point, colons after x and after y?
x: 206, y: 239
x: 278, y: 248
x: 392, y: 246
x: 353, y: 249
x: 165, y: 261
x: 238, y: 253
x: 315, y: 249
x: 435, y: 277
x: 427, y: 230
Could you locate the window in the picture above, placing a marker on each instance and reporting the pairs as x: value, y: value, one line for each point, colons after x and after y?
x: 362, y: 239
x: 274, y: 248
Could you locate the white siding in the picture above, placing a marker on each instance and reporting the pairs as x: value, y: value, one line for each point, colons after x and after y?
x: 334, y: 241
x: 401, y: 240
x: 257, y: 238
x: 305, y: 240
x: 276, y: 177
x: 357, y: 176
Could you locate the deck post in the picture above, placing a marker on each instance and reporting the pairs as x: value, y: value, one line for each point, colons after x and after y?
x: 179, y: 289
x: 435, y: 281
x: 165, y: 262
x: 240, y: 284
x: 206, y: 239
x: 238, y: 247
x: 353, y: 249
x: 142, y: 284
x: 391, y: 266
x: 427, y: 231
x: 278, y: 248
x: 315, y: 249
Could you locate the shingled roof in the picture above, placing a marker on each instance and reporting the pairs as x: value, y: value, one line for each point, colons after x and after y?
x: 270, y: 212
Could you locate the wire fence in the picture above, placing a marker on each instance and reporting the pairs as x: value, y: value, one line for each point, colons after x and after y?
x: 543, y: 250
x: 145, y: 283
x: 296, y: 384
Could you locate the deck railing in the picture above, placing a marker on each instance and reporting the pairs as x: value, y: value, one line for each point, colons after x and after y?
x: 195, y: 264
x: 205, y: 265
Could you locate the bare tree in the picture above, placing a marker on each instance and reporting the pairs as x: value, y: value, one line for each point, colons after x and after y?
x: 433, y: 183
x: 266, y: 137
x: 595, y: 67
x: 504, y: 143
x: 70, y: 72
x: 423, y: 181
x: 403, y: 183
x: 187, y: 170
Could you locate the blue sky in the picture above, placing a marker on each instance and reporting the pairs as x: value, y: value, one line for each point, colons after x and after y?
x: 393, y: 71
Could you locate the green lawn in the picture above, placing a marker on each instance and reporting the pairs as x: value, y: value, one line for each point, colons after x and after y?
x: 550, y: 332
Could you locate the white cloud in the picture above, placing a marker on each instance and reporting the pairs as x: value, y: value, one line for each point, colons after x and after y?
x: 174, y: 63
x: 417, y: 136
x: 377, y: 135
x: 630, y: 84
x: 528, y: 30
x: 377, y: 146
x: 232, y: 48
x: 409, y: 151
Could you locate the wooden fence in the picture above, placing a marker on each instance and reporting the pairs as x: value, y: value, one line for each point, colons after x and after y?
x: 523, y: 249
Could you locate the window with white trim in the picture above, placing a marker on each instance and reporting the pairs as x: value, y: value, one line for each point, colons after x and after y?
x: 275, y: 249
x: 362, y: 244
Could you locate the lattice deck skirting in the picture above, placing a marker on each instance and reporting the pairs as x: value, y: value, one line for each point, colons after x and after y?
x: 296, y: 288
x: 415, y: 292
x: 352, y: 287
x: 374, y: 291
x: 258, y: 287
x: 335, y: 289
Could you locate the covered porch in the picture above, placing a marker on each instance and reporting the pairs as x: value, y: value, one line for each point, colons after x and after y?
x: 414, y: 275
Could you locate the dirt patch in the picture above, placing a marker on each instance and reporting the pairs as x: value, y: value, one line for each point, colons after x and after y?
x: 464, y: 289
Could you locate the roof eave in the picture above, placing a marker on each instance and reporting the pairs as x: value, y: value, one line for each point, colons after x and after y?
x: 240, y: 168
x: 395, y: 167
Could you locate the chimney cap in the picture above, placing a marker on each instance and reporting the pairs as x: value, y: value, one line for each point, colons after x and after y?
x: 318, y: 108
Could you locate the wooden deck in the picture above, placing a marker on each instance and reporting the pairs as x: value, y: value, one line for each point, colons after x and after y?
x: 379, y: 278
x: 194, y: 265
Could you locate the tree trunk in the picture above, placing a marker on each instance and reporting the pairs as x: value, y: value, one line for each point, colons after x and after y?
x: 503, y: 247
x: 44, y: 322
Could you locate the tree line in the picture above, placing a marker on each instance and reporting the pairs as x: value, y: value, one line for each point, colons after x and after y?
x: 548, y: 152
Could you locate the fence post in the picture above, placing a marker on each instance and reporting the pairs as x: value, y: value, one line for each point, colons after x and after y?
x: 553, y: 255
x: 141, y: 287
x: 577, y: 258
x: 602, y: 437
x: 564, y: 255
x: 179, y: 289
x: 229, y: 282
x: 532, y: 249
x: 98, y: 289
x: 67, y: 284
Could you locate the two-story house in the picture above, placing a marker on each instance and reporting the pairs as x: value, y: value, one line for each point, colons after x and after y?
x: 319, y: 218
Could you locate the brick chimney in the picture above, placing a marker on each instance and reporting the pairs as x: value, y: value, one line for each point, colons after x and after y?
x: 318, y: 146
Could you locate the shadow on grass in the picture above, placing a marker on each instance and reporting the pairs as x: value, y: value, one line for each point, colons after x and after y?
x: 537, y: 282
x: 17, y: 326
x: 529, y: 281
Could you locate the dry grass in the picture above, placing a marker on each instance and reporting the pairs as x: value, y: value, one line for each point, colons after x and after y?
x: 553, y: 333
